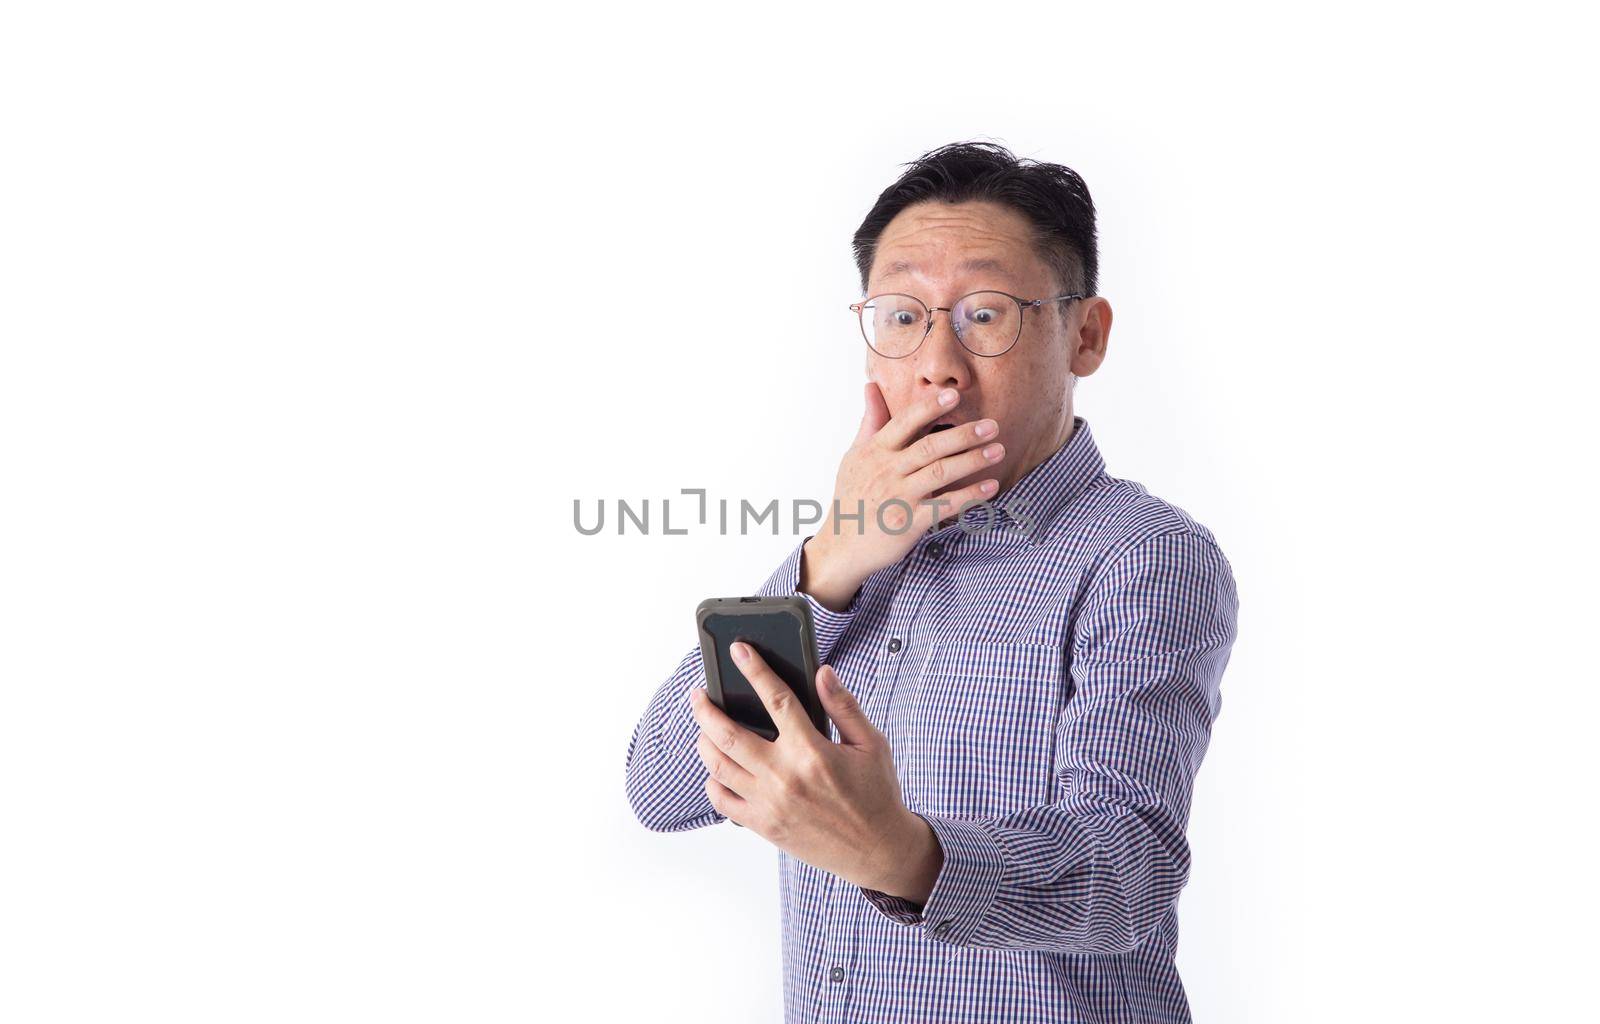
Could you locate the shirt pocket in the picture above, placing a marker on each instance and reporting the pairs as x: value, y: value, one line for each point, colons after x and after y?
x: 977, y: 733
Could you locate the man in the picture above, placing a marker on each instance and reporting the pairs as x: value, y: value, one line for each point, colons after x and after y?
x: 1020, y: 692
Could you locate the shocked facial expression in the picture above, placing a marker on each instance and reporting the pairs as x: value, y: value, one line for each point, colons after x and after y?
x: 939, y: 252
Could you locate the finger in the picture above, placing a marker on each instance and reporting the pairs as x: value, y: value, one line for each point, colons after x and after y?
x: 780, y: 701
x: 876, y: 414
x: 854, y: 726
x: 726, y: 802
x: 946, y: 471
x: 950, y: 502
x: 744, y: 747
x: 723, y: 768
x: 930, y: 447
x: 899, y: 431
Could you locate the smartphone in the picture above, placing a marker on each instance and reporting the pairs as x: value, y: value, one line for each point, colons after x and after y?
x: 781, y: 631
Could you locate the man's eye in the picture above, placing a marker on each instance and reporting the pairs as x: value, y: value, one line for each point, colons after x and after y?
x: 905, y: 318
x: 983, y: 316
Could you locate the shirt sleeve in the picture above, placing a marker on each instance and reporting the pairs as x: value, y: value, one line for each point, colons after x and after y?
x: 1096, y: 870
x: 665, y: 776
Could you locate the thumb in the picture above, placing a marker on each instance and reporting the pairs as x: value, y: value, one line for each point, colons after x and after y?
x: 854, y: 726
x: 876, y: 414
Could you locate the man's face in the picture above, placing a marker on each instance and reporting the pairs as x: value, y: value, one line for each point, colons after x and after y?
x: 929, y: 251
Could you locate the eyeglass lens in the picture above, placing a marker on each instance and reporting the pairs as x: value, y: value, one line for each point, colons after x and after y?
x: 987, y: 323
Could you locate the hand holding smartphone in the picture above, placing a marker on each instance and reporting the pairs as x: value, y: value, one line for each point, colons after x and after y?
x: 781, y: 631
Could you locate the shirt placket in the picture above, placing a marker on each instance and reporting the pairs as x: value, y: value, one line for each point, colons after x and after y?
x: 900, y: 649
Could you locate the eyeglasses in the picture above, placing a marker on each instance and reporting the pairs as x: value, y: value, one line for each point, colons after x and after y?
x: 986, y: 323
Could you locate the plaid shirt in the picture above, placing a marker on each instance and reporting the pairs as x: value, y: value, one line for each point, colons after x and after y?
x: 1048, y: 687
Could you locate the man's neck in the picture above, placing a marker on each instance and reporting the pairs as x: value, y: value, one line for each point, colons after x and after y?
x: 1056, y: 438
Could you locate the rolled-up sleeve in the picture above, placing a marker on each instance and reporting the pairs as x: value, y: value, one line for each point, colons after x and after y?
x: 665, y: 776
x: 1095, y: 870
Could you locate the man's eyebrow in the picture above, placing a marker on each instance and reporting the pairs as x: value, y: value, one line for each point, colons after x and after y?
x: 967, y: 266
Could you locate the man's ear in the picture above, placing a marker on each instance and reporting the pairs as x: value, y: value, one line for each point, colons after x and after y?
x: 1090, y: 338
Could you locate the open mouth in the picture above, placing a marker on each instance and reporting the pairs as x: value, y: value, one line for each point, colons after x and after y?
x: 934, y: 428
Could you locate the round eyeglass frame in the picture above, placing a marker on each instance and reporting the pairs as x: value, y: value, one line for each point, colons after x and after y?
x: 1023, y: 305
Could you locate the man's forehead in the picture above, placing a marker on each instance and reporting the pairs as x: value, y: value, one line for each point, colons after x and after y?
x: 1009, y: 274
x: 971, y: 265
x: 933, y: 242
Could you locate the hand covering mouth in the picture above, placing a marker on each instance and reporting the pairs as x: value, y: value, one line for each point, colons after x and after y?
x: 942, y: 423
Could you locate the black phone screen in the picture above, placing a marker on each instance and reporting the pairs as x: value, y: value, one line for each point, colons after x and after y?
x: 784, y: 642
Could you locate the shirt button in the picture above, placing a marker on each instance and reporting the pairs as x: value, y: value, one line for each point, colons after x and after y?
x: 837, y: 974
x: 894, y: 644
x: 941, y: 928
x: 935, y: 550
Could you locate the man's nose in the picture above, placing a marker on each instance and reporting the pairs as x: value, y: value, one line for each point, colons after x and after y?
x: 941, y: 361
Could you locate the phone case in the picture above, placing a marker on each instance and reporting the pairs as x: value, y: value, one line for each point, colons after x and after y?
x: 781, y: 630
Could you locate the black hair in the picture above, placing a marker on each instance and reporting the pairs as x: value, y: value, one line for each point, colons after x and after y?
x: 1053, y: 198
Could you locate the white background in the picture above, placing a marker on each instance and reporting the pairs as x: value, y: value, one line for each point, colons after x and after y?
x: 317, y: 318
